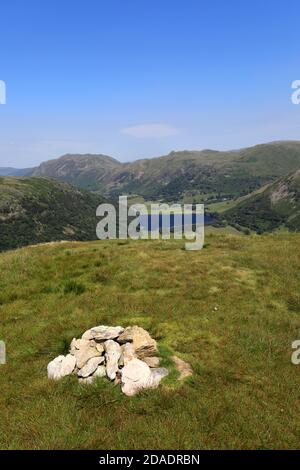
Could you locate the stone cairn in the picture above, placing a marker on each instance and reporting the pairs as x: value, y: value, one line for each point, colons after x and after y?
x: 125, y: 356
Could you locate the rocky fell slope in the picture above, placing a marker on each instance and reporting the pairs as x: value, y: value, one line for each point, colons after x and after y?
x: 277, y: 205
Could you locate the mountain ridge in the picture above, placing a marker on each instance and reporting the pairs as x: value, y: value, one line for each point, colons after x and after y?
x: 85, y: 170
x: 203, y: 175
x: 212, y: 173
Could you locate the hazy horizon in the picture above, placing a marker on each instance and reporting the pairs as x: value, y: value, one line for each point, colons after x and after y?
x: 152, y: 156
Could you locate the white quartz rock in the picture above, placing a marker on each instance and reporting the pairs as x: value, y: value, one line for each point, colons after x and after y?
x: 61, y: 366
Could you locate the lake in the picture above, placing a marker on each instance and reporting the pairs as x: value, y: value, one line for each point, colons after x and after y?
x: 155, y: 221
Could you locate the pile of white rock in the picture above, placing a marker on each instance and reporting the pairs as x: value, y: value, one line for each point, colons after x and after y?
x: 126, y: 356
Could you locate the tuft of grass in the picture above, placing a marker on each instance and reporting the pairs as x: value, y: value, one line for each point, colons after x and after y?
x: 74, y: 287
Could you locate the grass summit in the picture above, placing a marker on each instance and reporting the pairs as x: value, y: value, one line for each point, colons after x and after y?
x: 231, y: 310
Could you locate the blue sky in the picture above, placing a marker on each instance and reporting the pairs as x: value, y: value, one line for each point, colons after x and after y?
x: 139, y: 78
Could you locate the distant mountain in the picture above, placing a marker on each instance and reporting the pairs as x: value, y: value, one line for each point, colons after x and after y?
x: 276, y: 205
x: 209, y: 174
x: 35, y: 210
x: 15, y: 171
x: 88, y: 171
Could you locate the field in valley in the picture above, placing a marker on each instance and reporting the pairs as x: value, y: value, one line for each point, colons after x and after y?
x: 232, y: 310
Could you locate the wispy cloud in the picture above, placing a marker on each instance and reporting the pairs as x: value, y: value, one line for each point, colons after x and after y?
x: 151, y: 130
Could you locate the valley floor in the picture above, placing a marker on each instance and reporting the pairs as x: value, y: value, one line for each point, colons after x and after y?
x: 232, y: 310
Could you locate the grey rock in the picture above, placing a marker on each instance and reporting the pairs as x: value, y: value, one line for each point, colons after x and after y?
x: 87, y: 351
x: 156, y: 376
x: 90, y: 367
x: 135, y: 376
x: 103, y: 333
x: 183, y: 368
x: 142, y: 342
x: 112, y: 356
x: 152, y: 362
x: 67, y: 365
x: 128, y: 353
x: 77, y: 344
x: 53, y: 368
x: 125, y: 356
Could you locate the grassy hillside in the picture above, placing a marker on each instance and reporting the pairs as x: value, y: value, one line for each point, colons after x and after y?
x: 231, y: 310
x: 276, y: 206
x: 35, y: 210
x: 212, y: 175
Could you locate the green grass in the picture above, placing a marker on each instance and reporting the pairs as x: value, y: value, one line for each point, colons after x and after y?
x: 232, y: 310
x: 228, y: 229
x: 221, y: 206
